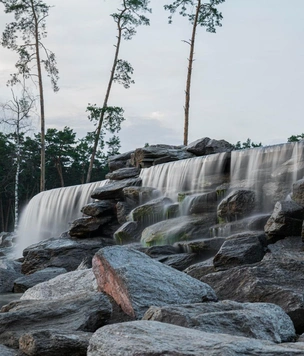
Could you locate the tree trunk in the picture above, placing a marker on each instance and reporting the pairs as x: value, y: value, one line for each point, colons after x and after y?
x: 16, y: 219
x: 42, y: 117
x: 189, y: 74
x: 105, y: 103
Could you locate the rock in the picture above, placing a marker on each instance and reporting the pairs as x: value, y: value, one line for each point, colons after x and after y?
x: 128, y: 232
x: 277, y: 279
x: 63, y: 286
x: 86, y: 312
x: 86, y: 227
x: 286, y: 220
x: 240, y: 249
x: 139, y: 195
x: 202, y: 247
x: 238, y: 204
x: 23, y: 283
x: 179, y: 261
x: 7, y: 278
x: 255, y: 320
x: 150, y: 212
x: 178, y: 229
x: 123, y: 173
x: 136, y: 281
x: 200, y: 269
x: 123, y: 210
x: 61, y: 253
x: 206, y: 146
x: 5, y: 351
x: 114, y: 190
x: 161, y: 251
x: 52, y: 342
x: 119, y: 161
x: 99, y: 208
x: 199, y: 203
x: 152, y: 338
x: 156, y: 154
x: 298, y: 192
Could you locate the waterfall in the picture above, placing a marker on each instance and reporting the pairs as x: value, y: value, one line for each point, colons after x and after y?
x: 49, y: 213
x: 269, y: 171
x: 190, y: 175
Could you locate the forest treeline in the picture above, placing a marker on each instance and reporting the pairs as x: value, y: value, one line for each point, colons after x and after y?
x: 67, y: 161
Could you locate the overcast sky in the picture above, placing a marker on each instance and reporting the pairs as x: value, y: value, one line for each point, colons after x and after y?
x: 247, y: 78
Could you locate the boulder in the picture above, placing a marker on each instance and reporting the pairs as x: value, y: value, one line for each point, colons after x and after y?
x: 240, y: 249
x: 255, y: 320
x: 298, y: 192
x: 128, y: 232
x: 150, y: 212
x: 5, y: 351
x: 52, y: 342
x: 86, y: 227
x: 237, y: 205
x: 277, y: 279
x: 139, y: 195
x: 200, y: 269
x: 86, y: 312
x: 199, y: 203
x: 207, y: 146
x: 114, y: 190
x: 23, y: 283
x: 286, y: 220
x: 136, y: 281
x: 156, y: 154
x: 123, y: 173
x: 178, y: 261
x: 7, y: 278
x: 62, y: 253
x: 152, y: 338
x: 99, y: 208
x: 119, y: 161
x: 178, y: 229
x: 123, y: 210
x: 63, y: 286
x: 202, y: 247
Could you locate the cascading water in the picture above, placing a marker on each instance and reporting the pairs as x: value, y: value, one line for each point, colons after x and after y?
x: 189, y: 175
x: 269, y: 171
x: 48, y: 213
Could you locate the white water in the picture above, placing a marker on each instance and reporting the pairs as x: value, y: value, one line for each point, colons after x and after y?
x: 49, y: 213
x: 192, y: 174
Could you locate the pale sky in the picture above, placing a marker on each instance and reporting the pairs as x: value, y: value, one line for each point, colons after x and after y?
x: 247, y: 78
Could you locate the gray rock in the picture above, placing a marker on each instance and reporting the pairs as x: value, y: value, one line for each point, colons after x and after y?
x: 51, y: 342
x: 136, y: 281
x: 298, y: 192
x: 178, y: 261
x: 237, y: 205
x: 240, y: 249
x: 123, y: 210
x: 150, y: 212
x: 199, y: 203
x: 103, y: 207
x: 23, y: 283
x: 5, y: 351
x: 152, y: 338
x: 200, y: 269
x: 202, y: 247
x: 127, y: 233
x: 86, y: 312
x: 277, y: 279
x: 286, y: 220
x: 63, y: 286
x: 206, y: 146
x: 178, y: 229
x: 198, y: 147
x: 255, y: 320
x: 139, y: 195
x: 123, y: 173
x: 119, y: 161
x: 62, y: 253
x: 7, y: 278
x: 86, y: 227
x: 114, y: 190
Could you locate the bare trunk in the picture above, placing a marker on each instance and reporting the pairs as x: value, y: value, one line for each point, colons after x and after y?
x: 42, y: 117
x: 59, y: 170
x: 105, y: 104
x: 17, y: 177
x: 189, y: 74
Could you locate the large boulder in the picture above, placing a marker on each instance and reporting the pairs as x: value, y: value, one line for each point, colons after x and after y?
x: 123, y: 173
x: 99, y: 208
x: 61, y: 252
x: 256, y: 320
x: 237, y: 205
x: 152, y: 338
x: 207, y: 146
x: 277, y: 279
x: 286, y: 220
x: 120, y: 161
x: 178, y: 229
x: 139, y: 195
x: 114, y: 190
x: 136, y: 281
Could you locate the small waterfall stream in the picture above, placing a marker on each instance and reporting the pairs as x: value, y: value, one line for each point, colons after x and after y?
x: 49, y: 213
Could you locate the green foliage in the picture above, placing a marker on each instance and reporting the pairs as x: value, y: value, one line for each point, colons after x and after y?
x: 19, y: 36
x: 247, y: 144
x: 122, y: 73
x: 296, y: 138
x: 208, y: 15
x: 131, y: 16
